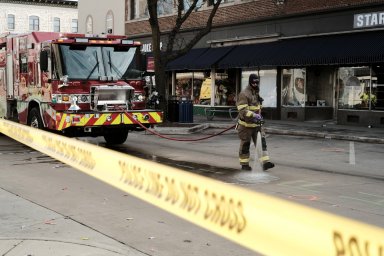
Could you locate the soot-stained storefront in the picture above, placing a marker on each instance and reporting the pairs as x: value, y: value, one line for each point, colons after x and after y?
x: 326, y: 76
x: 326, y: 65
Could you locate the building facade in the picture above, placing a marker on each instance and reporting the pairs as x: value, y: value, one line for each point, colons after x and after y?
x: 318, y: 59
x: 102, y: 17
x: 21, y: 16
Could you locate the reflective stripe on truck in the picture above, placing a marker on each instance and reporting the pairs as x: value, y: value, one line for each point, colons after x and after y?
x: 65, y: 120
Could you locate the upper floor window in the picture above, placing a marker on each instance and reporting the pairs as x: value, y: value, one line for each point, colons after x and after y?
x: 34, y: 23
x: 165, y: 7
x: 74, y: 26
x: 132, y: 9
x: 139, y: 9
x: 211, y: 2
x: 11, y: 21
x: 56, y: 24
x: 89, y: 25
x: 187, y: 4
x: 109, y: 22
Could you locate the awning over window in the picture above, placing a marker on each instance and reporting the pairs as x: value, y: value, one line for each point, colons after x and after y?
x: 342, y: 49
x: 346, y: 49
x: 209, y: 58
x: 184, y: 62
x: 200, y: 58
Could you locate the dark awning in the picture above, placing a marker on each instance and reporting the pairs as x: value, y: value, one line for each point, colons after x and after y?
x: 342, y: 49
x: 209, y: 58
x: 200, y: 58
x: 345, y: 49
x: 183, y: 62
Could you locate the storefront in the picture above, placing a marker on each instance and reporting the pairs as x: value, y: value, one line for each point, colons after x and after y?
x: 329, y: 77
x: 314, y: 65
x: 216, y: 89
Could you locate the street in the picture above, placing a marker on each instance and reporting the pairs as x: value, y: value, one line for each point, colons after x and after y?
x: 341, y: 177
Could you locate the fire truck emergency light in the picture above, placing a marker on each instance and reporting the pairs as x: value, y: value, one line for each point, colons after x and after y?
x: 65, y: 98
x: 126, y: 41
x: 81, y: 40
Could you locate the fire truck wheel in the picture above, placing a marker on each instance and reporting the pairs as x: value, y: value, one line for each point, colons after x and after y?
x: 34, y: 118
x: 118, y: 136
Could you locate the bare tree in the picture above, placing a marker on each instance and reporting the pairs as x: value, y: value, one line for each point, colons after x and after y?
x: 175, y: 45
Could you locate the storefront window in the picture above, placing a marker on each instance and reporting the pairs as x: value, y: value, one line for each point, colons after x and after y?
x: 267, y: 85
x: 358, y: 88
x: 225, y: 88
x: 198, y: 85
x: 293, y: 87
x: 377, y: 91
x: 188, y: 84
x: 203, y: 92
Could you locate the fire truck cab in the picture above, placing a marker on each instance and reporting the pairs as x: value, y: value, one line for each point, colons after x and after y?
x: 75, y: 84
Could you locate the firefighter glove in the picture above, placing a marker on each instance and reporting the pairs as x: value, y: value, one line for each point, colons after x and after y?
x: 257, y: 117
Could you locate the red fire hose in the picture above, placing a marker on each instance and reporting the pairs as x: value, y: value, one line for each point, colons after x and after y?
x: 180, y: 139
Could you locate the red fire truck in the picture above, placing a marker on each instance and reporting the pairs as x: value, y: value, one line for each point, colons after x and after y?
x: 76, y: 84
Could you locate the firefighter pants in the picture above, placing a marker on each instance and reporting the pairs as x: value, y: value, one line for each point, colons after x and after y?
x: 246, y: 134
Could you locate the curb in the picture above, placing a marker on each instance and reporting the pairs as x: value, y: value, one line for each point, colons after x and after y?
x: 325, y: 135
x: 270, y: 130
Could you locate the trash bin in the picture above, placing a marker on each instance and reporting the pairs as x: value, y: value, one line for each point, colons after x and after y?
x: 185, y: 110
x: 173, y: 109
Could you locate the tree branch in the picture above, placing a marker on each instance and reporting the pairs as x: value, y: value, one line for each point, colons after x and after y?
x: 196, y: 38
x: 179, y: 22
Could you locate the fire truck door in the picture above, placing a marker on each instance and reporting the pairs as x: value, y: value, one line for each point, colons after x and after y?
x: 9, y: 80
x: 2, y: 81
x: 2, y: 92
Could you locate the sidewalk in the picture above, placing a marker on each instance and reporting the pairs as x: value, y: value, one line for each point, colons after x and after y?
x: 30, y: 229
x: 320, y: 129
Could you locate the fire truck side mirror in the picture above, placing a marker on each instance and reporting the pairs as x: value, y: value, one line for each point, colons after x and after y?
x: 44, y: 61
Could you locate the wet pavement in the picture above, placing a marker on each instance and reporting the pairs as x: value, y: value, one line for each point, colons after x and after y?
x: 320, y: 129
x: 24, y: 233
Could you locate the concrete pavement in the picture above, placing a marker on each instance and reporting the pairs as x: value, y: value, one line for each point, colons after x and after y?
x: 320, y: 129
x: 30, y: 229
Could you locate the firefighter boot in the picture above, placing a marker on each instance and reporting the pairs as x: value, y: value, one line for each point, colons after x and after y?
x: 246, y: 168
x: 268, y: 165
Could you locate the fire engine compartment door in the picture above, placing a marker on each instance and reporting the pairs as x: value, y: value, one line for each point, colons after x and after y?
x: 3, y: 82
x: 2, y: 92
x: 9, y: 76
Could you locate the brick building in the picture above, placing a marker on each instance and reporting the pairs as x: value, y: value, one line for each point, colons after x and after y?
x: 318, y: 59
x: 20, y: 16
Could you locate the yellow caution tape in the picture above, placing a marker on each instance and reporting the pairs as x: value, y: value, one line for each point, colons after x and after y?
x: 260, y: 222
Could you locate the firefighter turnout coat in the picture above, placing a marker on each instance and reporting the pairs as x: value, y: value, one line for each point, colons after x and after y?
x: 249, y: 102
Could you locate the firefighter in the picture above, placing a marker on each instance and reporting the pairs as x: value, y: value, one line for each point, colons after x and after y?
x: 250, y: 123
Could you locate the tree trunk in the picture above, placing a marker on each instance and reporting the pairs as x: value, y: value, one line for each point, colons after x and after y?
x: 162, y: 86
x: 171, y: 53
x: 160, y: 74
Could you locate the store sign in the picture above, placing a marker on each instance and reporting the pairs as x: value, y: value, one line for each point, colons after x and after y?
x: 366, y: 20
x: 148, y: 47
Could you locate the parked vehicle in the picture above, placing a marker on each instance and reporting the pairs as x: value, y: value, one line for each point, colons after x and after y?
x: 76, y: 84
